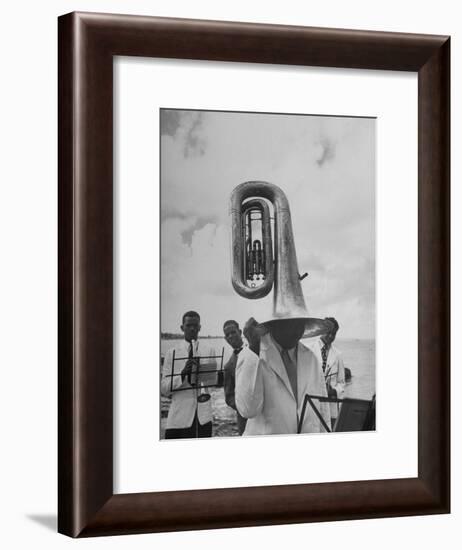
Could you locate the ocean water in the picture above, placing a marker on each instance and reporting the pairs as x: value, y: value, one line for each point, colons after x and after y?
x: 358, y: 356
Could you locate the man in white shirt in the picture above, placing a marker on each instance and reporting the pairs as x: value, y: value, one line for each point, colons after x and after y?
x: 273, y: 375
x: 233, y: 335
x: 332, y: 366
x: 188, y: 417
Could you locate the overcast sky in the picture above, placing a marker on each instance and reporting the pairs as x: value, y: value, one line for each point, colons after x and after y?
x: 326, y: 167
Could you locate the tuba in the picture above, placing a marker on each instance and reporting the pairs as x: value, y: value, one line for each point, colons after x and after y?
x: 258, y: 263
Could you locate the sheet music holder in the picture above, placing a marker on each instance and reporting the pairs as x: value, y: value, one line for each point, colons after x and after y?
x: 355, y: 414
x: 205, y: 376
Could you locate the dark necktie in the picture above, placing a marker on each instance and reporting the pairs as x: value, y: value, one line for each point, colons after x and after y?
x: 291, y: 369
x: 324, y: 352
x: 190, y: 356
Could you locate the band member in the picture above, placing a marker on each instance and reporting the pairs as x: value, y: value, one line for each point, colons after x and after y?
x: 233, y: 335
x: 273, y: 374
x: 187, y: 417
x: 332, y: 366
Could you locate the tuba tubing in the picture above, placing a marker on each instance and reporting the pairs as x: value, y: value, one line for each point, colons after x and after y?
x: 239, y: 251
x: 282, y: 273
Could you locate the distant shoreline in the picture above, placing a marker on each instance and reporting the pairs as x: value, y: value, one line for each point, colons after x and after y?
x: 180, y: 336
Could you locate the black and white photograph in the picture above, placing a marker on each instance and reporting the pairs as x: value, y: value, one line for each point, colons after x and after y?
x: 267, y: 274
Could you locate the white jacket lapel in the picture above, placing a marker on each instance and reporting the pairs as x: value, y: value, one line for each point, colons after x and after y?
x: 273, y: 359
x: 309, y: 378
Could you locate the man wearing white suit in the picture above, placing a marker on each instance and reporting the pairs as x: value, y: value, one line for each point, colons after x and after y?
x: 187, y: 417
x: 332, y: 365
x: 273, y: 374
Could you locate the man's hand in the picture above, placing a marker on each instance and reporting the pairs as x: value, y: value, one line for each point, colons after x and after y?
x: 332, y: 394
x: 189, y: 369
x: 252, y: 334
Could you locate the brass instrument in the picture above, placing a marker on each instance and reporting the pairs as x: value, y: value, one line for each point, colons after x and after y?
x: 254, y: 271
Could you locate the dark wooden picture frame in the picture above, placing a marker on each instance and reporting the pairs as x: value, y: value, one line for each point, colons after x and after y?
x: 87, y: 44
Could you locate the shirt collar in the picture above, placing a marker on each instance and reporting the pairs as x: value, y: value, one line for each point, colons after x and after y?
x: 186, y: 345
x: 292, y: 351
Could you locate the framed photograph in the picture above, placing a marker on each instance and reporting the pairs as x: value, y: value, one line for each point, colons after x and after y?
x: 253, y: 274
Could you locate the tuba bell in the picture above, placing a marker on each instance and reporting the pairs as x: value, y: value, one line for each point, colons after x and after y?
x: 258, y: 263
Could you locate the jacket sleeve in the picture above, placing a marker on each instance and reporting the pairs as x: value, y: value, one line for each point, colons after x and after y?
x: 230, y: 382
x: 168, y: 383
x: 249, y: 384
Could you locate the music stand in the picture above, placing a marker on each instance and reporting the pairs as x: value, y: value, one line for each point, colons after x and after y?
x: 205, y: 376
x: 356, y: 415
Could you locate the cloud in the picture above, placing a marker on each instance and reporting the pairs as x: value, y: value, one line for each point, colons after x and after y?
x: 200, y: 222
x: 191, y: 222
x: 185, y: 127
x: 324, y: 151
x: 169, y: 122
x: 194, y: 142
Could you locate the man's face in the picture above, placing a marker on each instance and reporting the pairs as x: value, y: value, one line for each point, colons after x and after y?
x: 329, y: 337
x: 287, y: 332
x: 233, y: 336
x: 191, y: 327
